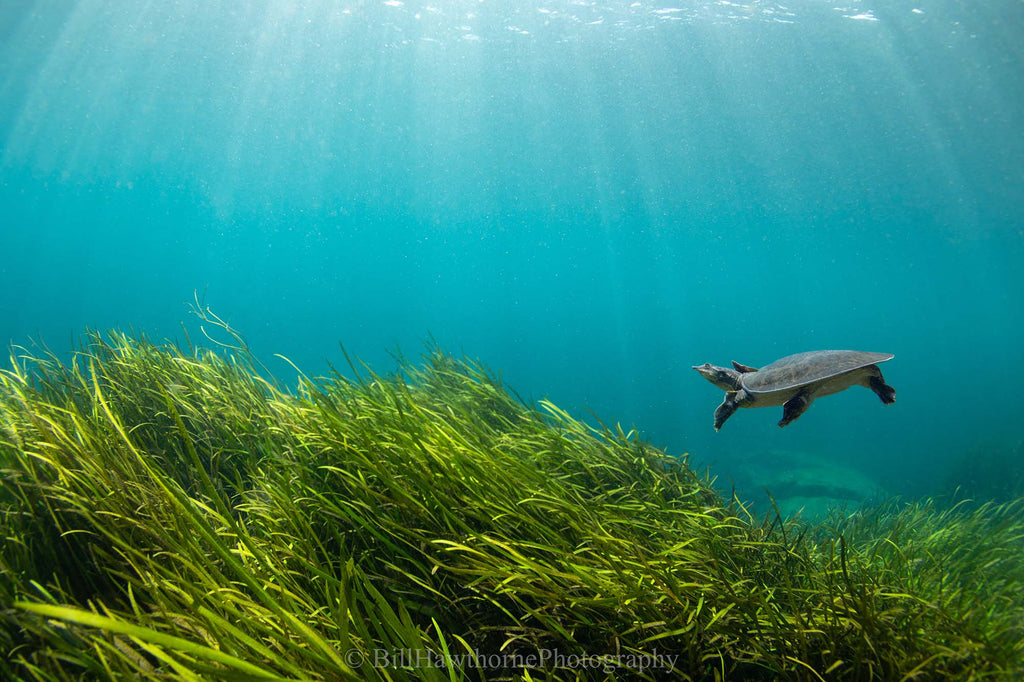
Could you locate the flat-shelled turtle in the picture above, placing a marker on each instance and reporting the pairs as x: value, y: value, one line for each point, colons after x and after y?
x: 795, y: 381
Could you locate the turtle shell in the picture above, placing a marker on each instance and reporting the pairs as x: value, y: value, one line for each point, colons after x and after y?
x: 802, y: 369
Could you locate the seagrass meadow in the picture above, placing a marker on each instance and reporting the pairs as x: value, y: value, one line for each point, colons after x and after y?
x: 172, y: 512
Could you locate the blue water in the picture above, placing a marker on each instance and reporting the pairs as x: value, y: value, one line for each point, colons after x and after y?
x: 590, y: 197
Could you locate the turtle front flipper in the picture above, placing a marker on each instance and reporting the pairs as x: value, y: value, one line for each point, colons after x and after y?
x: 743, y: 369
x: 726, y: 409
x: 794, y: 407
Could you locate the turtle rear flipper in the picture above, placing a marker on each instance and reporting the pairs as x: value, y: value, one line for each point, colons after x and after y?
x: 883, y: 390
x: 794, y: 407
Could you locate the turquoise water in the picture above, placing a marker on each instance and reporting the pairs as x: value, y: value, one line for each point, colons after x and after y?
x: 590, y: 197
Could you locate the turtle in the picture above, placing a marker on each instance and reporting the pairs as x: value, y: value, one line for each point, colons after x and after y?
x: 796, y: 380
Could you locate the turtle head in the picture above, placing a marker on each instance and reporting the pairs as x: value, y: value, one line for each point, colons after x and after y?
x: 723, y: 377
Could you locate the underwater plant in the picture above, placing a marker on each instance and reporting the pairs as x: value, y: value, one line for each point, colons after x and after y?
x: 174, y: 512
